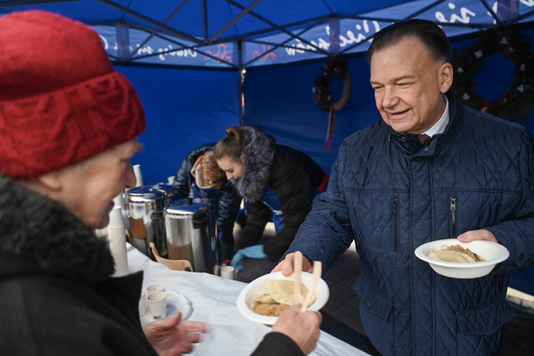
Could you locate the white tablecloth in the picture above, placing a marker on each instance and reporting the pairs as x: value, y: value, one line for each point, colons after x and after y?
x: 213, y: 300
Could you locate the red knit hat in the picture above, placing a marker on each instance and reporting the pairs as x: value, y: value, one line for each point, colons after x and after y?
x: 61, y: 102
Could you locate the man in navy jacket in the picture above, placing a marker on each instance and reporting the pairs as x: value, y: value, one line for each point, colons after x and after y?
x: 391, y: 191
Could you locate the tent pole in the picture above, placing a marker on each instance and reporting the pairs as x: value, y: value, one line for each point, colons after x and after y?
x: 242, y: 72
x: 241, y: 97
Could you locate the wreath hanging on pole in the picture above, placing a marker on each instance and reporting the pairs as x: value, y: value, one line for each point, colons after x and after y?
x: 337, y: 67
x: 513, y: 105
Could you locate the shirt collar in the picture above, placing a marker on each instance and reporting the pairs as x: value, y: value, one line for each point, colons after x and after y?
x: 442, y: 123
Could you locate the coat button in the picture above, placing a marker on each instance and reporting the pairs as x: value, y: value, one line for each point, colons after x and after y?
x: 521, y: 256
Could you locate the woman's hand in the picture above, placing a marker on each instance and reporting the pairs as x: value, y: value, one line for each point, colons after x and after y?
x: 173, y: 337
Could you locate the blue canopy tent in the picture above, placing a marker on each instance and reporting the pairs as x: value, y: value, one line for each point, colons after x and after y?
x: 188, y: 59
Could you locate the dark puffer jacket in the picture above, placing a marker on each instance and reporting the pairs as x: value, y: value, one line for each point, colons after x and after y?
x: 290, y: 173
x: 228, y: 201
x: 391, y: 195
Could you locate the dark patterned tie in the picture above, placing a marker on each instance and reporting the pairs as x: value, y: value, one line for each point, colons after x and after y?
x: 423, y: 138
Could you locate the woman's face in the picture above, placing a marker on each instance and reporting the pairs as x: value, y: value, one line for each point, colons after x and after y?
x: 88, y: 188
x: 232, y: 168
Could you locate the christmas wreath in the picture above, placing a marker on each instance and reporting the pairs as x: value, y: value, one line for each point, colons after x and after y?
x: 512, y: 105
x: 339, y: 68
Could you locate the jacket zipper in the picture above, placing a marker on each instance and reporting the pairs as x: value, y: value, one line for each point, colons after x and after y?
x: 395, y: 220
x: 453, y: 217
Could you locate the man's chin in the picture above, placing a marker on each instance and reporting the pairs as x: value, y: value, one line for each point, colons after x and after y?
x: 400, y: 128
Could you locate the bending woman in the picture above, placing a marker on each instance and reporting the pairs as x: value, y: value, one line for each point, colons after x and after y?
x: 199, y: 176
x: 273, y: 179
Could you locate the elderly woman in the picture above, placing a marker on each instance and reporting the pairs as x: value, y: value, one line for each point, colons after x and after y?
x: 68, y: 129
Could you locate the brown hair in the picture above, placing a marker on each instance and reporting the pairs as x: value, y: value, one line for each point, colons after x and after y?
x: 231, y: 145
x: 210, y: 169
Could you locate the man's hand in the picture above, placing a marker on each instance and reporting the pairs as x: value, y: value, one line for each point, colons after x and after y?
x: 173, y: 337
x: 473, y: 235
x: 302, y: 328
x: 286, y: 266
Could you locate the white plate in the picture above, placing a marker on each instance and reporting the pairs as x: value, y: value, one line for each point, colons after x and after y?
x: 491, y: 252
x: 176, y: 302
x: 257, y: 287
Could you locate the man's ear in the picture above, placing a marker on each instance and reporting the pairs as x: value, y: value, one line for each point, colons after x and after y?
x: 446, y: 75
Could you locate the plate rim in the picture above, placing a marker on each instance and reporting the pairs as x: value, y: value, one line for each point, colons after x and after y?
x: 502, y: 255
x: 270, y: 320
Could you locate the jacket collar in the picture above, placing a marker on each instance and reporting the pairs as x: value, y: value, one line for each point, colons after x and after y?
x: 45, y: 236
x: 410, y: 143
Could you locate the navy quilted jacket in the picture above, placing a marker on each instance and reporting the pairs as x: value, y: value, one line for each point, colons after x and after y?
x: 391, y: 195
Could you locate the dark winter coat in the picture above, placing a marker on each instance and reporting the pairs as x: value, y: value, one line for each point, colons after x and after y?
x: 56, y: 297
x: 229, y: 200
x: 391, y: 195
x: 290, y: 173
x: 276, y: 344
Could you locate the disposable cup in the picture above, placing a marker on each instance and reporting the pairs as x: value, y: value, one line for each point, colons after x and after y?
x: 142, y: 303
x: 227, y: 272
x: 156, y: 287
x: 157, y: 303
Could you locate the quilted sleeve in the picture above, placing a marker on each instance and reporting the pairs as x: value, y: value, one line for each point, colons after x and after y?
x: 517, y: 233
x: 326, y: 232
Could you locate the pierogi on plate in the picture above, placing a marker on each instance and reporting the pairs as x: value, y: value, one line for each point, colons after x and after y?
x: 455, y: 253
x: 278, y: 298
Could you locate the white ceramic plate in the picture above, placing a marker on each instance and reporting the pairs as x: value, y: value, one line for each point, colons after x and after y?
x: 176, y: 302
x: 491, y: 252
x: 257, y: 287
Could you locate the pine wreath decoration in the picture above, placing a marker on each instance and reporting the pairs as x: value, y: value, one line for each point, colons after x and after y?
x: 338, y: 67
x: 513, y: 105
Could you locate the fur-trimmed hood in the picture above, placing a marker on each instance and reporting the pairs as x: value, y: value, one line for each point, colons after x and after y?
x: 36, y: 229
x: 258, y: 154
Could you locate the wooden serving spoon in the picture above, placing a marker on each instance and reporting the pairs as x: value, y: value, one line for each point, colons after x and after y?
x: 317, y: 271
x: 297, y: 271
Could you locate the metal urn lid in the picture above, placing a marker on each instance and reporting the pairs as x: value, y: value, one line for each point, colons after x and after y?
x: 186, y: 207
x: 150, y: 191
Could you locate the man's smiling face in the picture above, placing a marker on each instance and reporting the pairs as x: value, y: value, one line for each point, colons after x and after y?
x: 409, y: 85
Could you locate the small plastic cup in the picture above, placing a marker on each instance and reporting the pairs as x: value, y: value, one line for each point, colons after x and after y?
x: 157, y: 303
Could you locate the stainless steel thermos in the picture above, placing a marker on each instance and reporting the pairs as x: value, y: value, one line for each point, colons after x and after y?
x: 190, y: 233
x: 145, y: 206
